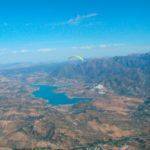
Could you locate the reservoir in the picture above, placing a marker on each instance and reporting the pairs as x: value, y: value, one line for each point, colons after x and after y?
x: 48, y: 93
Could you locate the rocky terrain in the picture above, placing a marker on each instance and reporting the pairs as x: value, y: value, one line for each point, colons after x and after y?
x: 117, y: 117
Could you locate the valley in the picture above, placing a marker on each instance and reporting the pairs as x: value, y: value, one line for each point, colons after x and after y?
x: 109, y: 120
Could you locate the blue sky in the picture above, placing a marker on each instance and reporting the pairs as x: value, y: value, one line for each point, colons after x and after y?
x: 53, y: 30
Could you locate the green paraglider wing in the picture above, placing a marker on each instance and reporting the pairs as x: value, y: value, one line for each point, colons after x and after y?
x: 76, y: 57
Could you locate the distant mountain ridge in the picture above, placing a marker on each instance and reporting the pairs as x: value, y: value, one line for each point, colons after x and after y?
x: 125, y: 75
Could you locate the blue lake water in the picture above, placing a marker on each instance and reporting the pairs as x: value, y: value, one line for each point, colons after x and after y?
x: 48, y: 93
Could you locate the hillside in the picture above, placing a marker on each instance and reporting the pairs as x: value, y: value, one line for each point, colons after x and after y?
x: 127, y: 75
x: 116, y: 117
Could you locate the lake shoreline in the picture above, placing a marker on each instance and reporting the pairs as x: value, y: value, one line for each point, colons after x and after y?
x: 53, y: 97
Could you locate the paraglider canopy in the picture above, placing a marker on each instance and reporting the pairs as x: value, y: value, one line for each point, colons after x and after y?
x: 76, y: 58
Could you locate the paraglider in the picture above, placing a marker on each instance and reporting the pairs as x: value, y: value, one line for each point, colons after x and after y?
x: 76, y: 58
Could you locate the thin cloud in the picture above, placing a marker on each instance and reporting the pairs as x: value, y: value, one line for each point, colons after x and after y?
x: 83, y: 47
x: 80, y: 18
x: 19, y: 51
x: 103, y: 45
x: 32, y: 51
x: 111, y: 45
x: 45, y: 50
x: 72, y: 21
x: 23, y: 51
